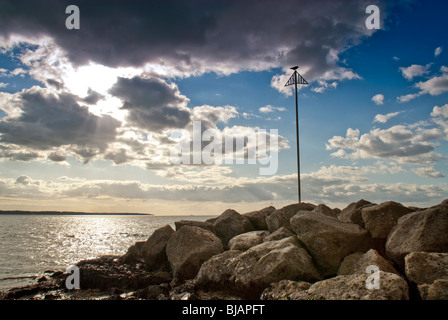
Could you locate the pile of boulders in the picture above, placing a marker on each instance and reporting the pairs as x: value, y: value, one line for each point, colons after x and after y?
x: 302, y: 251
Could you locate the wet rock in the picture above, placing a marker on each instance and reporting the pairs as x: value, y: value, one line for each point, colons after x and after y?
x: 258, y: 218
x: 189, y: 248
x: 153, y: 292
x: 106, y: 273
x: 328, y: 239
x: 247, y: 240
x: 185, y: 291
x: 380, y: 219
x: 230, y: 224
x: 421, y: 231
x: 154, y: 249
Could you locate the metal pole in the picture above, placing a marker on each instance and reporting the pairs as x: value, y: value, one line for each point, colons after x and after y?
x: 297, y: 135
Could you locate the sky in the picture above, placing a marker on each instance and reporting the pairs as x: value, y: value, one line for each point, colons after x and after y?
x: 94, y: 118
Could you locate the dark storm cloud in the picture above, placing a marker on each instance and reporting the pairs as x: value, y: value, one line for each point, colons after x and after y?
x: 197, y: 36
x: 92, y: 97
x: 152, y: 103
x: 48, y: 120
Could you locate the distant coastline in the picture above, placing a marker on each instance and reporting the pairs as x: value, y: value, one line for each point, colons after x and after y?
x: 68, y: 213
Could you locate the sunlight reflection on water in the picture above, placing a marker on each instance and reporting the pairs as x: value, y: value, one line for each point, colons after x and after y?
x: 31, y: 244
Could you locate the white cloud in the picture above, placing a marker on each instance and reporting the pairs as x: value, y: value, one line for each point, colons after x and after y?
x: 409, y: 97
x: 383, y: 118
x: 438, y: 51
x: 428, y: 172
x: 268, y: 109
x: 440, y: 111
x: 3, y: 85
x: 378, y: 99
x: 397, y: 143
x: 414, y: 70
x: 435, y: 86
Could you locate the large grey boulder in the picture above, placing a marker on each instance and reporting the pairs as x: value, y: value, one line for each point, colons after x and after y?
x: 357, y: 263
x: 328, y: 239
x: 323, y: 209
x: 217, y: 273
x: 352, y: 213
x: 189, y: 248
x: 154, y: 249
x: 279, y: 234
x: 425, y: 230
x: 201, y: 224
x: 280, y: 217
x: 426, y: 267
x: 271, y: 262
x: 134, y: 254
x: 258, y: 218
x: 248, y: 273
x: 353, y: 287
x: 230, y: 223
x: 247, y: 240
x: 380, y: 219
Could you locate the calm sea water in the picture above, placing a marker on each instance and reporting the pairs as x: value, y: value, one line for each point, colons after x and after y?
x: 32, y: 244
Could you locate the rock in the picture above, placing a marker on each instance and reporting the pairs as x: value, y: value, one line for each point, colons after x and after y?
x: 258, y: 218
x: 438, y: 290
x: 425, y: 230
x: 230, y: 223
x: 154, y: 249
x: 280, y: 217
x: 134, y: 254
x: 279, y: 234
x: 380, y: 219
x: 328, y: 239
x: 188, y: 248
x: 283, y: 289
x: 353, y: 287
x: 358, y: 262
x: 153, y: 292
x: 106, y: 273
x: 426, y: 267
x: 247, y: 240
x: 217, y: 272
x: 270, y: 262
x: 323, y: 209
x: 352, y: 213
x: 248, y: 273
x: 201, y: 224
x: 185, y: 291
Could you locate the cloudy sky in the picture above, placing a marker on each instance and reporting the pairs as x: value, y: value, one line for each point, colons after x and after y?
x: 89, y: 116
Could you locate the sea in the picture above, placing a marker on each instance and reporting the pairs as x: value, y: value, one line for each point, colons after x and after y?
x: 31, y: 244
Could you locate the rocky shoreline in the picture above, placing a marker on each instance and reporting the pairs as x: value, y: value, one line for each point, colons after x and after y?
x: 302, y: 251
